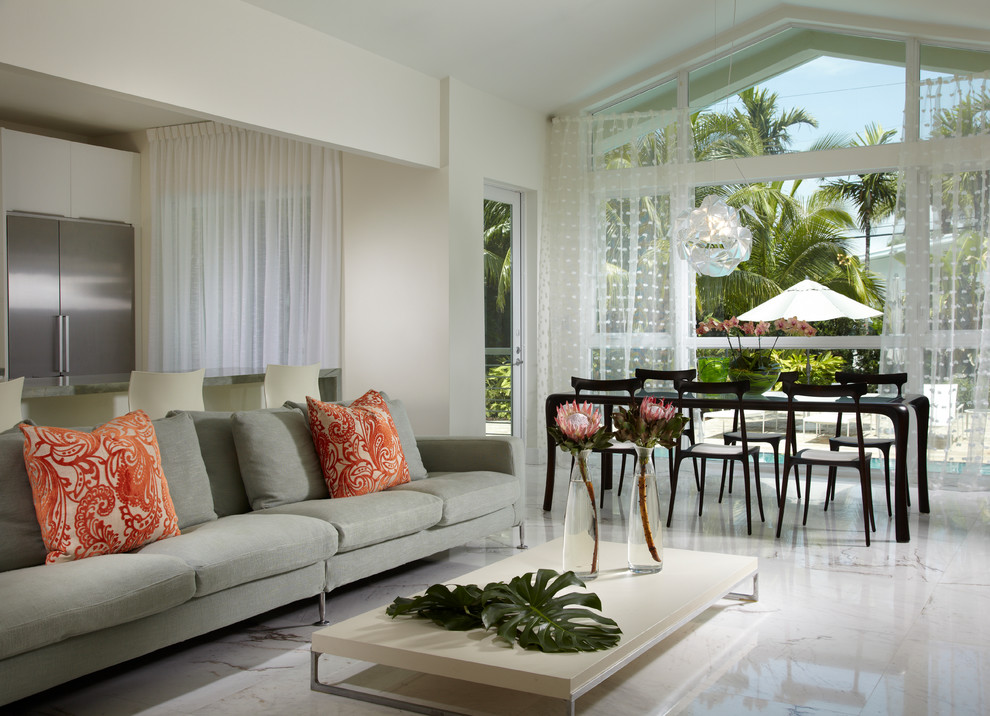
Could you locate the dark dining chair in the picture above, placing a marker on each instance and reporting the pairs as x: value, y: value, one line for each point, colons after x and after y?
x: 742, y: 452
x: 675, y: 377
x: 771, y: 439
x: 810, y: 457
x: 882, y: 444
x: 600, y: 386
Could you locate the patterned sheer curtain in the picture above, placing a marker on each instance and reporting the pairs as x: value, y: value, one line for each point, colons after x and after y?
x: 937, y: 323
x: 610, y: 298
x: 245, y: 250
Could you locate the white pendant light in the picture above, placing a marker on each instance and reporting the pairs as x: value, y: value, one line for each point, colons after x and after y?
x: 711, y: 238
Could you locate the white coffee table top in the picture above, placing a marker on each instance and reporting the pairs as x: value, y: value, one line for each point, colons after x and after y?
x: 646, y: 607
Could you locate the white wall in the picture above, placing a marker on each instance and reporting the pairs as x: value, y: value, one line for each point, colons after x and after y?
x: 232, y: 61
x: 396, y: 298
x: 495, y: 141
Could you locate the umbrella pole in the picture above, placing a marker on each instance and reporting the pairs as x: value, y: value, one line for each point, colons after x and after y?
x: 807, y: 358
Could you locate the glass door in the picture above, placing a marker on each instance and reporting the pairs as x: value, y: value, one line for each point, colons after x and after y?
x: 503, y: 312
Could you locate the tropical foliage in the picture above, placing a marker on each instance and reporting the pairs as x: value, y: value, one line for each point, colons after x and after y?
x: 530, y: 610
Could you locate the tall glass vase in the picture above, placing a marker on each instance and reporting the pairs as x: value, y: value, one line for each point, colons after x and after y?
x: 645, y: 541
x: 581, y: 522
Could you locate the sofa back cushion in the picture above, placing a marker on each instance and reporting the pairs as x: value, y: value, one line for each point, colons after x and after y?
x: 185, y: 471
x: 216, y: 446
x: 21, y: 544
x: 278, y: 461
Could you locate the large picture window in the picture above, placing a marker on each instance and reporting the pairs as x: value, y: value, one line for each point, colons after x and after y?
x: 873, y: 179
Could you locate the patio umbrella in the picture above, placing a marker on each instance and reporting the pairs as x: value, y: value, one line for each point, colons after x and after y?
x: 809, y: 301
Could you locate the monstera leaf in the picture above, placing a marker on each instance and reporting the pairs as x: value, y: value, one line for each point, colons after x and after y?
x: 528, y: 609
x: 456, y: 608
x: 531, y: 611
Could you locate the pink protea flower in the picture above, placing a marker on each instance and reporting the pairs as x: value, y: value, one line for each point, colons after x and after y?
x: 652, y: 410
x: 579, y: 422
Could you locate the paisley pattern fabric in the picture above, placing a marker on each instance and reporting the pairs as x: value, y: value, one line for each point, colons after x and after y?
x: 100, y: 492
x: 358, y: 445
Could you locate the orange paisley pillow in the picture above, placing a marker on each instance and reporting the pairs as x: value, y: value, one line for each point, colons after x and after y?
x: 100, y: 492
x: 358, y: 445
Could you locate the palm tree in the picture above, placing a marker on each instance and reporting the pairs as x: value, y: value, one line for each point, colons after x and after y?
x: 761, y: 127
x: 498, y: 250
x: 874, y: 196
x: 792, y: 240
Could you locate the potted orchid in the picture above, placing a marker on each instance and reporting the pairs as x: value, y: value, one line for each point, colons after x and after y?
x: 757, y: 365
x: 579, y: 430
x: 647, y: 424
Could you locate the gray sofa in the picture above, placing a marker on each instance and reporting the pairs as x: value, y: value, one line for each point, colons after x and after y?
x: 258, y: 531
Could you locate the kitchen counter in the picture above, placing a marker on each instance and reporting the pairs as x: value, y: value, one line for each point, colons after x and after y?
x: 118, y: 383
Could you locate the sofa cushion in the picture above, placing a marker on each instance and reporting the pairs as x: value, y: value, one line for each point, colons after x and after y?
x: 47, y: 604
x: 467, y: 495
x: 358, y: 446
x: 216, y: 445
x: 372, y: 518
x: 277, y: 458
x: 185, y: 471
x: 417, y: 470
x: 242, y: 548
x: 100, y: 492
x: 20, y: 535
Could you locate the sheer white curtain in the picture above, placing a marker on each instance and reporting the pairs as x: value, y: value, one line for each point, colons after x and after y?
x: 937, y: 322
x: 245, y: 250
x: 611, y: 299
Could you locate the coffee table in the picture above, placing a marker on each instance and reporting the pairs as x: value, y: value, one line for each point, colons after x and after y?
x: 647, y: 607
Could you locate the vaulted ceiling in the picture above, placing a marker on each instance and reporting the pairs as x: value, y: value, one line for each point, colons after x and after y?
x: 553, y: 55
x: 547, y: 55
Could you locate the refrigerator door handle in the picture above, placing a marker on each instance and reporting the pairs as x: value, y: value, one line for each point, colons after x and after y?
x: 65, y: 340
x: 62, y: 360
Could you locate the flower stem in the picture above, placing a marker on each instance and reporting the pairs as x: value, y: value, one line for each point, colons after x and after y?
x: 583, y: 466
x: 643, y: 513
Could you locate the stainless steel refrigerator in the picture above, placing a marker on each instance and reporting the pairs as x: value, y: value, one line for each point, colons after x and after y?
x: 70, y: 297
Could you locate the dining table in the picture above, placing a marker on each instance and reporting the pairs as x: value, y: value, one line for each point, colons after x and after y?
x: 897, y: 409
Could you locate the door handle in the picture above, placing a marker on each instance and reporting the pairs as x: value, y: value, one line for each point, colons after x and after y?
x: 62, y: 368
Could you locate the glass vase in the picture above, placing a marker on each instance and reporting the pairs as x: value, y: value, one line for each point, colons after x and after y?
x: 645, y: 541
x: 761, y: 379
x: 581, y: 522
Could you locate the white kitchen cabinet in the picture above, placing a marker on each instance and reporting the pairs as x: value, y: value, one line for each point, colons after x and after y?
x: 54, y: 176
x: 36, y: 173
x: 103, y: 183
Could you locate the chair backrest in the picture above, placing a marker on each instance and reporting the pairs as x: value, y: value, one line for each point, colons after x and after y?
x: 593, y: 385
x: 674, y: 376
x: 158, y: 393
x: 852, y: 391
x: 896, y: 379
x: 10, y: 402
x: 732, y: 387
x: 291, y: 382
x: 789, y: 376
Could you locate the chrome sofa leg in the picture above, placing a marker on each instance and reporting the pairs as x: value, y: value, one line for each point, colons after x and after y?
x: 522, y: 537
x: 323, y: 609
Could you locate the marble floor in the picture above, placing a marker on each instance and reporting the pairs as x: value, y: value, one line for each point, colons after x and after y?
x: 840, y: 628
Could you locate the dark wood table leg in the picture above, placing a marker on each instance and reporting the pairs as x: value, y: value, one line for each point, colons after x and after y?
x: 922, y: 409
x: 551, y: 469
x: 901, y: 427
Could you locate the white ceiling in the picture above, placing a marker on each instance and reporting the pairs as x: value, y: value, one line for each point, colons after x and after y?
x: 554, y: 54
x: 547, y: 55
